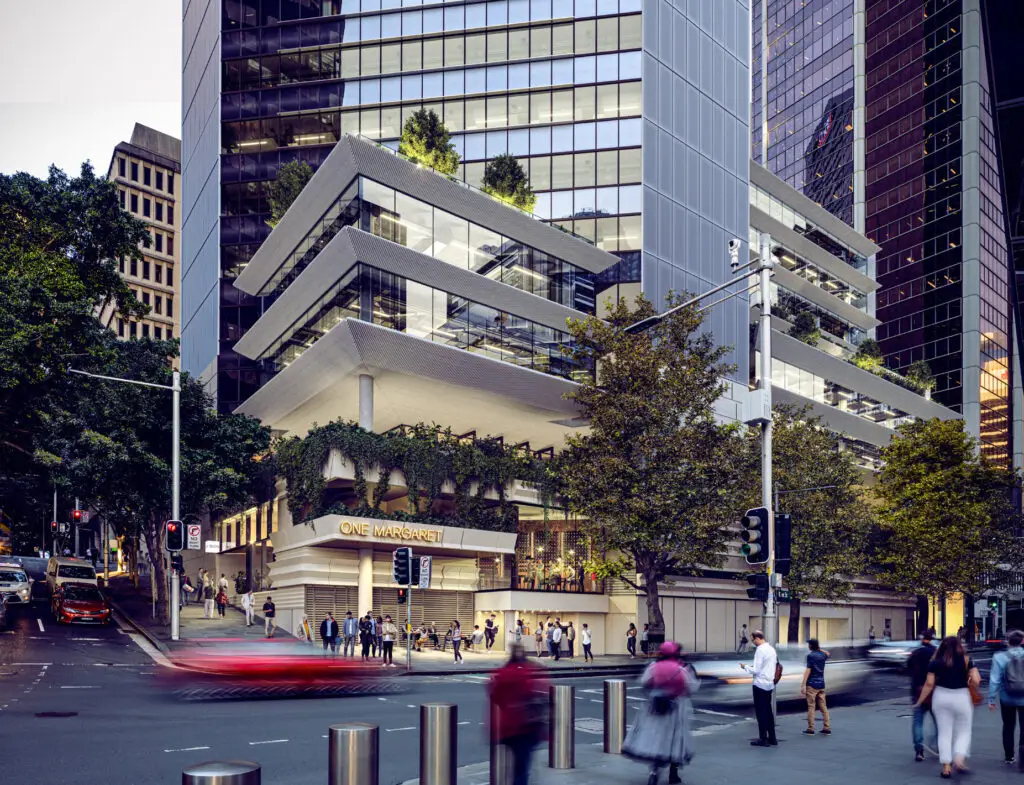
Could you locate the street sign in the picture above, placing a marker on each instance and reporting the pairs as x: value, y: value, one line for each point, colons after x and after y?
x: 425, y: 562
x: 213, y: 546
x: 782, y: 595
x: 194, y: 532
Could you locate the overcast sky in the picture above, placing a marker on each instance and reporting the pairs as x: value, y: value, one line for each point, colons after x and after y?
x: 78, y: 75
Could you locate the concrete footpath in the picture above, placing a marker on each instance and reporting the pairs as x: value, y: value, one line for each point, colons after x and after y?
x: 870, y: 743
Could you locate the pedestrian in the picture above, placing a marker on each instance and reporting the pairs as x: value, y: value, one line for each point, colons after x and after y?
x: 249, y: 606
x: 186, y: 589
x: 1006, y: 682
x: 871, y: 636
x: 222, y: 602
x: 538, y: 638
x: 917, y: 666
x: 587, y: 640
x: 661, y: 732
x: 518, y: 695
x: 645, y: 640
x: 951, y: 674
x: 556, y: 642
x: 349, y: 631
x: 222, y: 584
x: 570, y: 638
x: 207, y: 598
x: 329, y: 633
x: 520, y: 633
x: 269, y: 620
x: 366, y: 636
x: 199, y: 582
x: 432, y: 634
x: 389, y: 634
x: 744, y: 640
x: 456, y: 633
x: 490, y: 631
x: 631, y: 641
x: 765, y: 672
x: 813, y: 687
x: 478, y: 636
x: 378, y: 631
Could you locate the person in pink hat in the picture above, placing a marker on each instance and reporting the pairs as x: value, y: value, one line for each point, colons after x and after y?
x: 661, y: 734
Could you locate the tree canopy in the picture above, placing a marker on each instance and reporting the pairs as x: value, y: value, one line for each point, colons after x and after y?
x: 285, y: 189
x: 656, y: 480
x: 425, y: 139
x: 948, y: 518
x: 505, y: 178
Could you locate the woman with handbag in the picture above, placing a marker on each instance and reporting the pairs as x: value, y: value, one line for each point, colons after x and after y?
x: 952, y: 683
x: 661, y: 733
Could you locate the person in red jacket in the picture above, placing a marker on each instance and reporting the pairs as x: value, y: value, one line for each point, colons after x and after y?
x: 518, y: 693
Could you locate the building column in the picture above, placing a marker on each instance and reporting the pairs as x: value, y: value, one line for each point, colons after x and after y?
x: 507, y: 633
x: 365, y: 591
x: 366, y: 402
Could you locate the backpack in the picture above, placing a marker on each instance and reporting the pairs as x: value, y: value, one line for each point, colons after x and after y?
x: 1013, y: 677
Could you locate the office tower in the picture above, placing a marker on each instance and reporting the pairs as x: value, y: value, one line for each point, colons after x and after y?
x: 633, y: 126
x: 147, y: 173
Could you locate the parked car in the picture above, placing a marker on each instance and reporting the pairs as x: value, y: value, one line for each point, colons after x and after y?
x: 15, y: 585
x: 80, y: 602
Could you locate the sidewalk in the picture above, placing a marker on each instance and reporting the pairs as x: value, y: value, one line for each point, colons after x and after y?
x: 431, y: 662
x: 871, y: 743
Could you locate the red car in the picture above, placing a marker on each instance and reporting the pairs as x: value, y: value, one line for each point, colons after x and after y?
x: 80, y: 602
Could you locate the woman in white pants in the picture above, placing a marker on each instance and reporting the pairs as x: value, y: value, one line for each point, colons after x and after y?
x: 950, y: 674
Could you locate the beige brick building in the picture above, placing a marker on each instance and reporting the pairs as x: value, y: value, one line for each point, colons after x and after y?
x: 147, y: 171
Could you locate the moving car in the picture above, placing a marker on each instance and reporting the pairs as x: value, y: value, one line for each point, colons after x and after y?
x: 891, y: 654
x: 723, y: 681
x: 80, y: 602
x: 62, y: 569
x: 15, y: 585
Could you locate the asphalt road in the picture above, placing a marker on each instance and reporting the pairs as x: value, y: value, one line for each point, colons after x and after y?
x: 85, y: 705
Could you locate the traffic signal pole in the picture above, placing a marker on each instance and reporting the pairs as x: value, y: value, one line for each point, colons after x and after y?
x: 408, y: 619
x: 771, y: 619
x: 175, y: 598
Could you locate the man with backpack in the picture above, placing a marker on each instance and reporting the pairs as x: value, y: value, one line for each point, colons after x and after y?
x: 1006, y: 681
x: 766, y: 674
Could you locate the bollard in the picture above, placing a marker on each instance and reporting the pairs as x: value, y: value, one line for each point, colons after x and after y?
x: 353, y: 756
x: 614, y: 715
x: 439, y: 741
x: 222, y: 772
x: 562, y: 745
x: 501, y: 757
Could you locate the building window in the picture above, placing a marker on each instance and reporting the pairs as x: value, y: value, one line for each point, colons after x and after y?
x: 159, y: 242
x: 170, y: 306
x: 134, y: 329
x: 145, y: 298
x: 120, y: 328
x: 158, y: 333
x: 145, y: 269
x: 135, y: 267
x: 145, y: 331
x: 170, y: 182
x: 146, y: 208
x: 120, y: 265
x: 120, y: 167
x: 160, y: 211
x: 170, y: 213
x: 135, y: 203
x: 158, y: 270
x: 146, y: 175
x: 135, y: 171
x: 158, y: 304
x: 120, y: 195
x: 170, y: 245
x: 159, y: 181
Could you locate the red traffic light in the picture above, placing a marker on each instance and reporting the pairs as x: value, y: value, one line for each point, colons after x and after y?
x: 175, y: 536
x: 53, y: 526
x: 172, y: 526
x: 403, y: 596
x: 76, y: 515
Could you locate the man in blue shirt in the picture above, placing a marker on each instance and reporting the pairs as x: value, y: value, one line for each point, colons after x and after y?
x: 1006, y: 681
x: 813, y: 686
x: 917, y: 666
x: 349, y: 630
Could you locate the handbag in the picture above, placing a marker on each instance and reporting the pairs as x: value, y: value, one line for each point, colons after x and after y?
x: 976, y: 697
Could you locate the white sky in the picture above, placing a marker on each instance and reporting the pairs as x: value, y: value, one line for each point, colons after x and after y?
x: 78, y: 75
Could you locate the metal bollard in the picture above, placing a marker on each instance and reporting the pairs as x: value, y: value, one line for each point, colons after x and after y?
x: 501, y: 758
x: 353, y: 756
x: 614, y: 715
x: 222, y: 772
x: 439, y: 743
x: 562, y: 745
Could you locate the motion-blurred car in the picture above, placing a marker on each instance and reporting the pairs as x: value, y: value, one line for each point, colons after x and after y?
x: 15, y: 584
x: 3, y: 612
x: 80, y: 603
x: 891, y: 654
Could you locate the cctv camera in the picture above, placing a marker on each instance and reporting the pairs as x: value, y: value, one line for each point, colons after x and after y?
x: 734, y: 245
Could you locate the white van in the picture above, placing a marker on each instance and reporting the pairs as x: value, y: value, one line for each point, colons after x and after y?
x: 66, y: 570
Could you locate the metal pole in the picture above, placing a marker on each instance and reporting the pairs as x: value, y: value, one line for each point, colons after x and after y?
x: 106, y: 550
x: 353, y: 754
x: 222, y: 772
x: 74, y: 532
x: 562, y: 745
x: 408, y: 618
x: 614, y: 715
x: 175, y: 597
x: 439, y: 743
x: 501, y: 757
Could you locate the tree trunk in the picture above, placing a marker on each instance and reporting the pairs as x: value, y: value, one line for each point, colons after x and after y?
x: 793, y: 634
x: 654, y: 615
x: 158, y: 573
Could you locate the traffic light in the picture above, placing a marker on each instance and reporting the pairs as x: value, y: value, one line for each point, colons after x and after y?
x: 755, y: 535
x: 54, y: 526
x: 175, y: 536
x: 414, y: 574
x: 400, y: 566
x: 177, y: 564
x: 783, y: 542
x: 403, y: 596
x: 758, y: 586
x: 76, y: 516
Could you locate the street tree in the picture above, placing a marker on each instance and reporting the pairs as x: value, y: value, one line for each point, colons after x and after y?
x: 286, y: 187
x: 505, y: 178
x: 425, y: 139
x: 820, y: 486
x: 947, y: 515
x: 656, y: 479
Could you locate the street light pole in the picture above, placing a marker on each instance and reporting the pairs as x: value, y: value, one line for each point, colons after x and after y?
x: 771, y: 617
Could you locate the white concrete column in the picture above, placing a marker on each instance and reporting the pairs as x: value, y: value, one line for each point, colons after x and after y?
x: 506, y: 634
x: 365, y: 592
x: 365, y: 405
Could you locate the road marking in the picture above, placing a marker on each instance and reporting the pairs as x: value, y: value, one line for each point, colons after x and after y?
x: 595, y: 700
x: 77, y: 687
x: 392, y: 730
x: 156, y: 655
x: 40, y: 623
x: 382, y: 699
x: 31, y: 663
x: 634, y: 698
x: 594, y: 692
x: 187, y: 749
x: 467, y: 722
x: 719, y: 713
x: 410, y: 706
x: 268, y: 741
x: 87, y: 639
